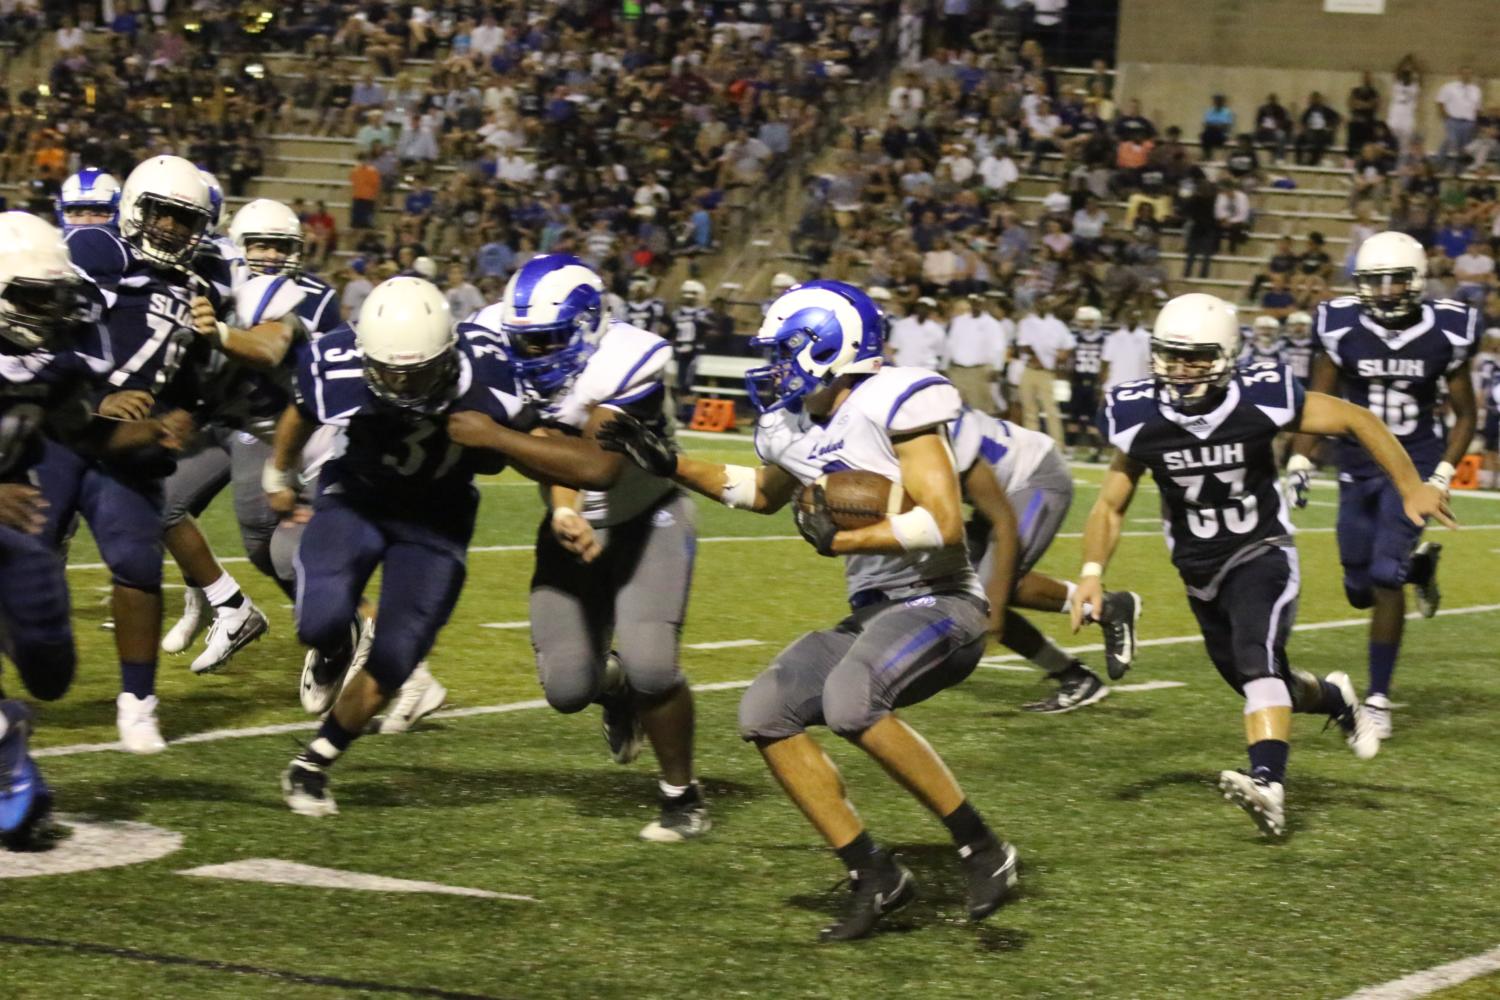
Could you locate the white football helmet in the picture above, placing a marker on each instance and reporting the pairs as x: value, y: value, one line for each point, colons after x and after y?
x: 1194, y: 346
x: 166, y: 210
x: 879, y: 293
x: 1087, y: 318
x: 692, y: 292
x: 215, y: 197
x: 405, y: 332
x: 781, y: 282
x: 1390, y: 272
x: 92, y: 191
x: 39, y: 287
x: 1299, y: 326
x: 276, y: 231
x: 1267, y: 331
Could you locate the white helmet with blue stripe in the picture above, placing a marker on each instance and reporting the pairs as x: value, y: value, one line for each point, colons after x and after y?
x: 275, y: 231
x: 90, y: 191
x: 552, y: 316
x: 215, y: 197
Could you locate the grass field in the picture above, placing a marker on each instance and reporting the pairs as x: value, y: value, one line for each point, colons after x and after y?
x: 1137, y: 880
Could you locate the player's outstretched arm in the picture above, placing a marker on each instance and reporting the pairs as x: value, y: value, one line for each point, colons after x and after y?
x: 935, y: 521
x: 261, y: 346
x: 293, y: 430
x: 1323, y: 414
x: 569, y: 461
x: 1101, y: 532
x: 1325, y: 380
x: 985, y: 493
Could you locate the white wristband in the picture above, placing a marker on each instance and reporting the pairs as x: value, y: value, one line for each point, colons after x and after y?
x: 1442, y: 475
x: 557, y: 511
x: 1091, y: 569
x: 274, y: 480
x: 739, y: 486
x: 917, y: 529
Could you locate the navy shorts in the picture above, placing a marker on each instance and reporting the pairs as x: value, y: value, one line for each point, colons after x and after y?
x: 1247, y: 623
x: 1375, y: 536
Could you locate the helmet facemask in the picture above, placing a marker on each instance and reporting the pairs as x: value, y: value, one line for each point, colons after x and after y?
x: 547, y: 357
x: 287, y: 252
x: 168, y: 231
x: 783, y: 381
x: 1191, y: 378
x: 36, y: 313
x: 1391, y: 295
x: 426, y: 386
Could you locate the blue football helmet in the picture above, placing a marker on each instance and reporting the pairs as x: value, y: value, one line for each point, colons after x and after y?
x: 90, y: 189
x: 215, y: 199
x: 813, y: 333
x: 552, y: 316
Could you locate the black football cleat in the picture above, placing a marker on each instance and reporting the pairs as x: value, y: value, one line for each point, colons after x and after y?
x: 881, y: 888
x: 1078, y: 686
x: 991, y: 868
x: 1118, y: 619
x: 682, y: 818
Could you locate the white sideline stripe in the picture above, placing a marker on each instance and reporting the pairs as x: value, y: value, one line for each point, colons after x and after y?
x: 530, y: 546
x: 278, y: 872
x: 726, y: 644
x: 1148, y: 686
x: 525, y: 624
x: 1002, y: 661
x: 1429, y: 981
x: 992, y: 662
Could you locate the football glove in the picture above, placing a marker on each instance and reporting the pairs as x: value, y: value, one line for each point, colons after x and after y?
x: 645, y: 447
x: 1298, y: 480
x: 816, y: 524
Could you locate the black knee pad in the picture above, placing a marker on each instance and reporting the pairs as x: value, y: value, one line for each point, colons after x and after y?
x: 46, y: 668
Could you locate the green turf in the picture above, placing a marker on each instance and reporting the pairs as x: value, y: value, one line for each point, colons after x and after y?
x: 1138, y: 881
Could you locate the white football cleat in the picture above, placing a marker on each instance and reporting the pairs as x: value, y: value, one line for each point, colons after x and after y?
x: 136, y: 719
x: 1265, y: 801
x: 1360, y: 730
x: 304, y: 788
x: 1378, y: 708
x: 418, y: 698
x: 195, y: 616
x: 316, y: 692
x: 231, y: 632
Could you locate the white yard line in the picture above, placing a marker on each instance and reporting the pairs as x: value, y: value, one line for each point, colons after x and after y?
x: 1429, y: 981
x: 726, y: 644
x: 278, y: 872
x: 992, y: 662
x: 525, y: 624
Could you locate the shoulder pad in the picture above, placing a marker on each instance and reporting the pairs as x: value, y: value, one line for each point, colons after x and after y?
x: 1272, y: 389
x: 1126, y: 409
x: 1460, y: 324
x: 774, y: 431
x: 629, y: 362
x: 99, y: 253
x: 965, y: 436
x: 488, y: 317
x: 265, y: 298
x: 488, y: 384
x: 330, y: 377
x: 903, y: 400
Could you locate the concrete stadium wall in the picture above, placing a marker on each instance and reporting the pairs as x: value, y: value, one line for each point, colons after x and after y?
x: 1174, y: 54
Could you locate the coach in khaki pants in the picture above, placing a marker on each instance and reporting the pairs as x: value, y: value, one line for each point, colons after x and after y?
x: 1044, y: 343
x: 974, y: 349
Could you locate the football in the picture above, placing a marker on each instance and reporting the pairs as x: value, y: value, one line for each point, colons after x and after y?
x: 858, y: 499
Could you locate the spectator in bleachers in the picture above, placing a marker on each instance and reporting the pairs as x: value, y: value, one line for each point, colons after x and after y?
x: 1242, y: 163
x: 1459, y: 102
x: 1363, y: 106
x: 1455, y: 235
x: 1232, y: 213
x: 1044, y: 344
x: 975, y: 347
x: 1133, y: 124
x: 1372, y: 167
x: 463, y: 297
x: 364, y: 192
x: 1200, y: 228
x: 918, y: 340
x: 321, y: 235
x: 1273, y: 127
x: 1401, y: 110
x: 1319, y: 122
x: 1474, y: 271
x: 1218, y: 125
x: 1278, y: 300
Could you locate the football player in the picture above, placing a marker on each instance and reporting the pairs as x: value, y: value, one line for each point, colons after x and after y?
x: 1087, y: 360
x: 161, y: 326
x: 398, y: 493
x: 642, y: 309
x: 1264, y: 346
x: 918, y: 614
x: 1020, y: 487
x: 265, y: 241
x: 1204, y: 429
x: 690, y: 326
x: 89, y: 198
x: 1390, y: 352
x: 52, y: 352
x: 613, y: 567
x: 1299, y: 347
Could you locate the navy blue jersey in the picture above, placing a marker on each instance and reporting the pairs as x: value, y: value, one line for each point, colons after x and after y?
x: 1399, y: 375
x: 218, y: 263
x: 1088, y: 355
x: 1254, y: 354
x: 395, y: 459
x: 319, y: 309
x: 150, y: 324
x: 1298, y: 355
x: 100, y: 253
x: 46, y: 393
x: 1217, y: 473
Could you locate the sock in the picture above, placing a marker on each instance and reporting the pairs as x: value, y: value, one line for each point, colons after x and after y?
x: 1268, y: 759
x: 1052, y: 659
x: 224, y: 593
x: 672, y: 791
x: 331, y: 741
x: 858, y: 853
x: 1333, y: 701
x: 965, y: 825
x: 138, y: 679
x: 1382, y: 666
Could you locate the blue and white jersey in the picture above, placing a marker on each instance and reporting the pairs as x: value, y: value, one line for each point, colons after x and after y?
x: 1298, y: 355
x: 1399, y: 375
x: 319, y: 309
x: 649, y: 315
x: 46, y: 393
x: 1012, y: 452
x: 625, y: 372
x: 401, y: 461
x: 1088, y: 355
x: 1253, y: 354
x: 1217, y: 473
x: 890, y: 403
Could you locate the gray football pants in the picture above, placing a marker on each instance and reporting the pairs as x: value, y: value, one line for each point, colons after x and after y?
x: 1041, y: 507
x: 226, y: 458
x: 878, y: 659
x: 631, y: 599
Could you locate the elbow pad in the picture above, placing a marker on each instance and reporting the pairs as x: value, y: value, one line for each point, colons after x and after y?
x: 740, y: 487
x: 917, y: 529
